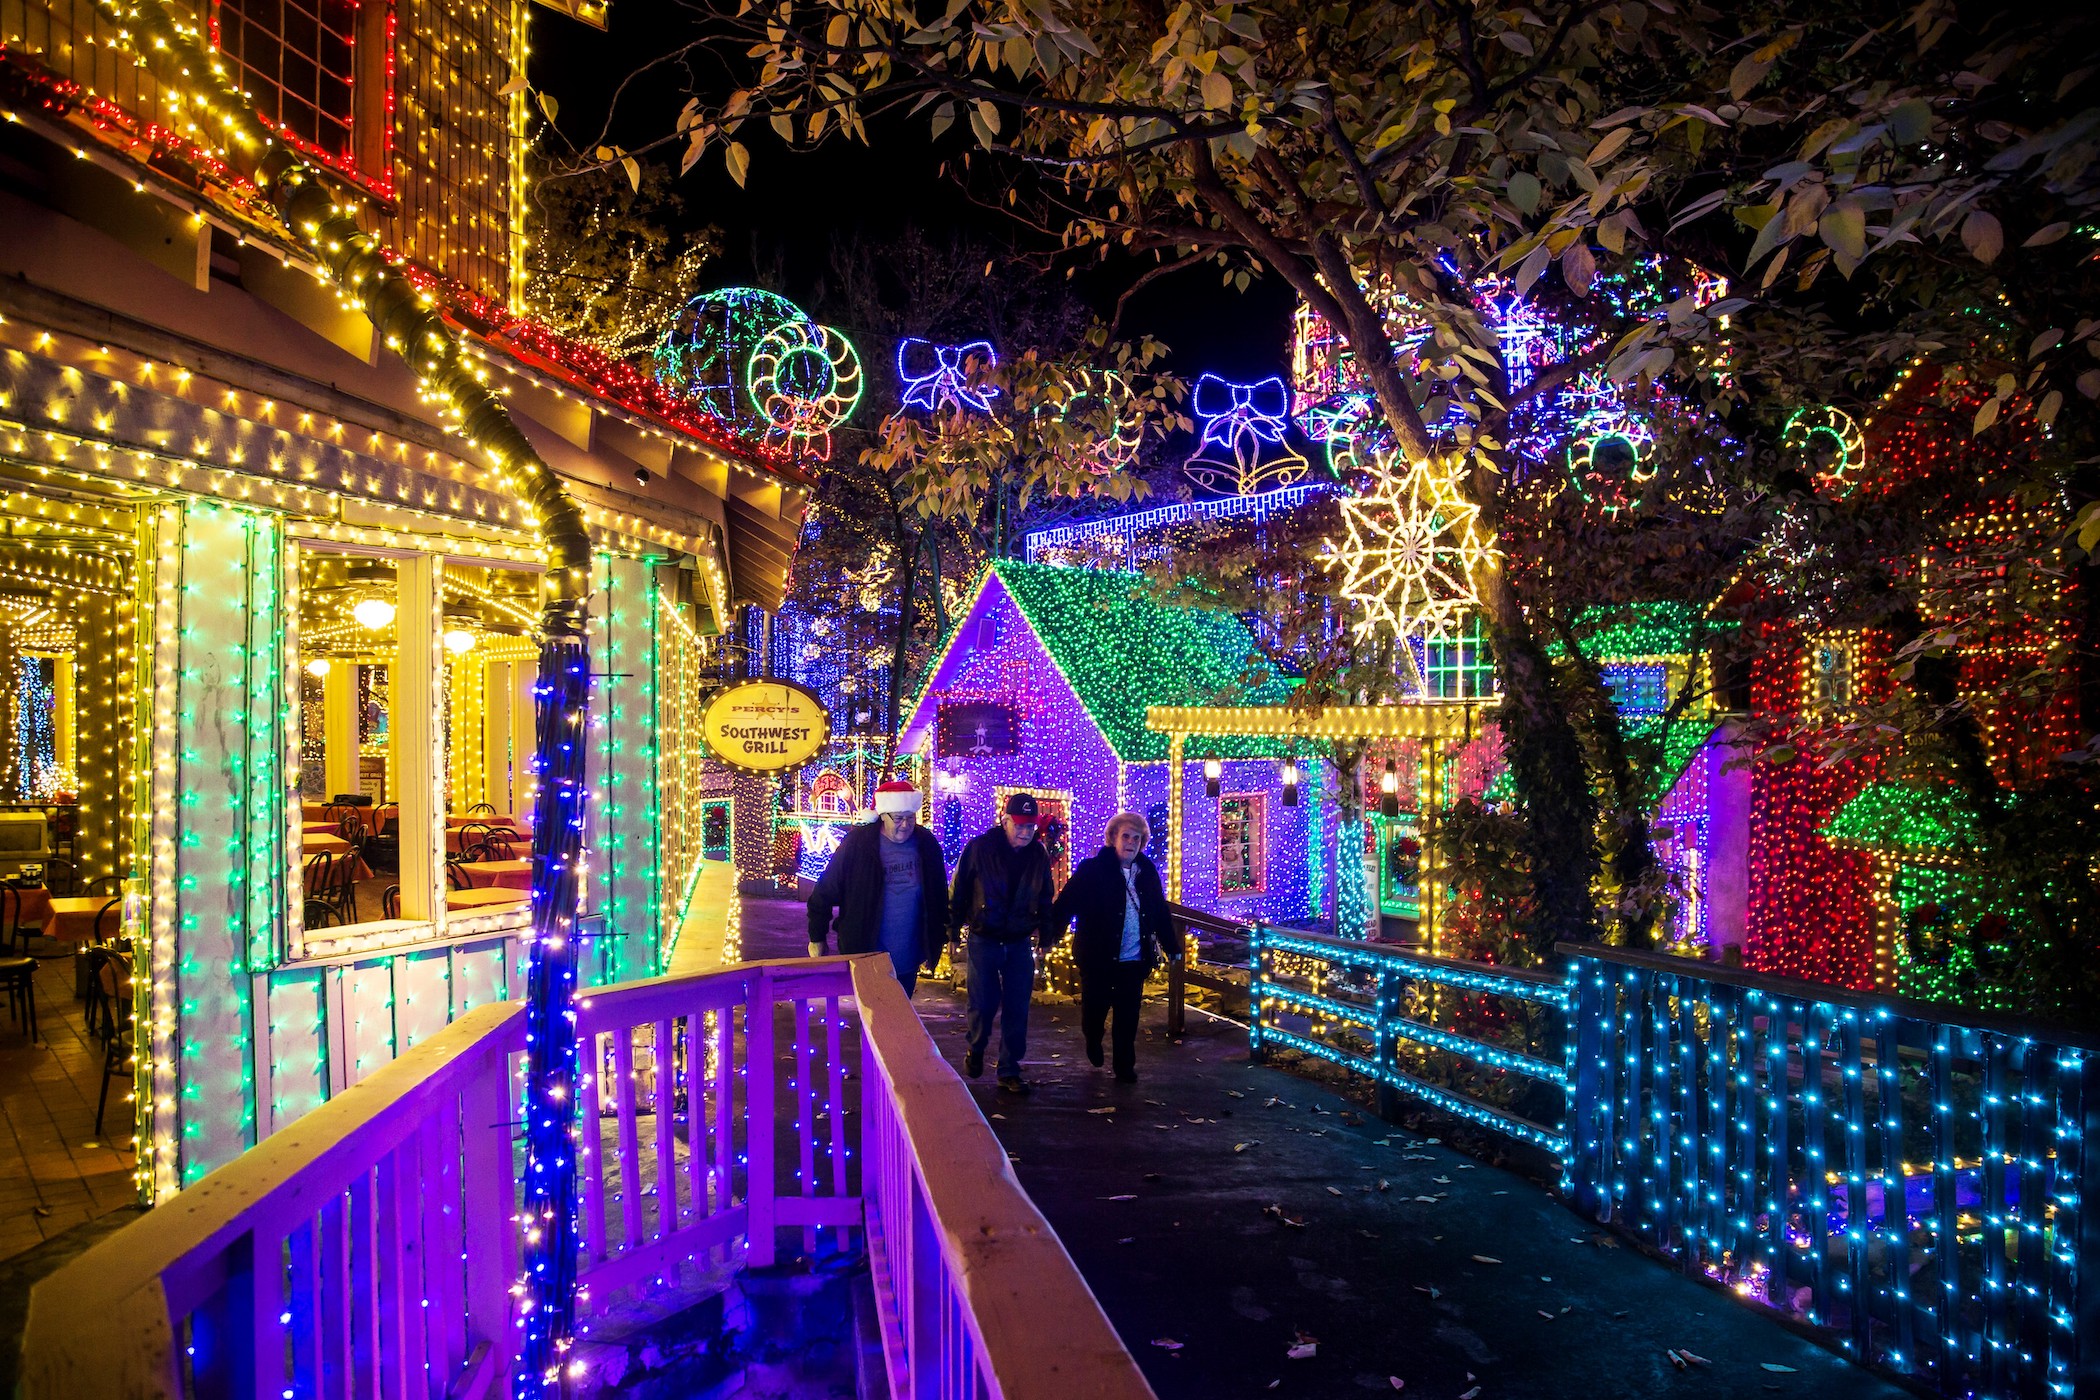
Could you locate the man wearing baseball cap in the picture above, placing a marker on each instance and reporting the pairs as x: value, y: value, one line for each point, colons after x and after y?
x: 1003, y: 897
x: 889, y: 883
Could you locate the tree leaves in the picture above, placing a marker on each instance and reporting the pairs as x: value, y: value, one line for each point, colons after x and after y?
x: 738, y: 160
x: 1982, y: 236
x: 1524, y: 191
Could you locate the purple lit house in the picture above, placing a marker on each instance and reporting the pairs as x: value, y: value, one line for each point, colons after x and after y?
x: 1042, y: 687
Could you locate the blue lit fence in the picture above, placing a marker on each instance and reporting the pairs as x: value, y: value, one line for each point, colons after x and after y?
x: 1112, y: 542
x: 1356, y: 997
x: 1911, y: 1183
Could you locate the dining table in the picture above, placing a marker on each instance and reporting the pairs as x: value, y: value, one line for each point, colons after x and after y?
x: 73, y: 917
x: 324, y: 844
x: 500, y: 874
x: 463, y: 900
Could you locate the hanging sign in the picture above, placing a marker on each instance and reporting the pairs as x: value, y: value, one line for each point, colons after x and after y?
x: 977, y: 729
x: 765, y: 726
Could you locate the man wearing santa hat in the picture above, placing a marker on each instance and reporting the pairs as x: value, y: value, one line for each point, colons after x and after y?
x: 889, y: 885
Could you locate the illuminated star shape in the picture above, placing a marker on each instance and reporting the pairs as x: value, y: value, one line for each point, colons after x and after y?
x: 1412, y: 547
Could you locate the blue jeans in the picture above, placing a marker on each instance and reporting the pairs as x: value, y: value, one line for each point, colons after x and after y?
x: 1002, y: 978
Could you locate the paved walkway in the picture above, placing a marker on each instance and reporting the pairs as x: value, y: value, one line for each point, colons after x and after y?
x: 1238, y: 1211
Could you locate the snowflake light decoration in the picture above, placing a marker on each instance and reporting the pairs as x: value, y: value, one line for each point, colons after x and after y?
x: 1413, y: 545
x: 937, y: 377
x: 1833, y: 446
x: 806, y: 380
x: 1243, y: 450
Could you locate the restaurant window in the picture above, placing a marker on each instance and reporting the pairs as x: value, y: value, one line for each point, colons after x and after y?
x: 319, y: 71
x: 415, y: 740
x: 1243, y: 858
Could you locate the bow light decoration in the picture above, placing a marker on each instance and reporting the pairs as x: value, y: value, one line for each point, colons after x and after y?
x: 1243, y: 450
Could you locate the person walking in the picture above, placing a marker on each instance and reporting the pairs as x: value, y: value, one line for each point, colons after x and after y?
x: 888, y: 882
x: 1124, y: 929
x: 1002, y: 896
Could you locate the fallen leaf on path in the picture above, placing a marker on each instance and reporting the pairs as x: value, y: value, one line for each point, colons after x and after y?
x: 1368, y: 1234
x: 1693, y: 1357
x: 1115, y: 1198
x: 1110, y: 1109
x: 1469, y: 1394
x: 1151, y: 1176
x: 1396, y: 1383
x: 1441, y: 1180
x: 1332, y: 1191
x: 1432, y: 1141
x: 1775, y: 1366
x: 1303, y: 1351
x: 998, y: 1118
x: 1432, y: 1292
x: 1543, y: 1313
x: 1485, y: 1259
x: 1243, y: 1146
x: 1167, y: 1342
x: 1384, y: 1185
x: 1234, y: 1094
x: 1128, y: 1239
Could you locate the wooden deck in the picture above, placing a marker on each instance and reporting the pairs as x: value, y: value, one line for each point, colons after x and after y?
x: 55, y: 1172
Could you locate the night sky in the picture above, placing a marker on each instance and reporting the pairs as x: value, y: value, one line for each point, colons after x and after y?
x: 780, y: 227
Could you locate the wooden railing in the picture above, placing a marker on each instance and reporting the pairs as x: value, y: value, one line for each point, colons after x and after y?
x: 370, y: 1248
x: 1913, y: 1177
x: 1216, y: 960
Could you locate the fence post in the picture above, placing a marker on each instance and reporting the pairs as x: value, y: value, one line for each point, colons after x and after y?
x: 1257, y: 973
x: 1387, y: 1034
x: 1177, y: 986
x: 758, y: 1120
x: 1584, y: 1168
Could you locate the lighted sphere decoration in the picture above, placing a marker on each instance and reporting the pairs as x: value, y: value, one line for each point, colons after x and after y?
x: 1612, y: 460
x: 938, y: 378
x: 1412, y: 548
x: 1242, y: 450
x: 706, y: 354
x: 806, y: 380
x: 1105, y: 403
x: 1832, y: 446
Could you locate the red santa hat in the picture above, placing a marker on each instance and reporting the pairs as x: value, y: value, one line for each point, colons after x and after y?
x: 896, y: 795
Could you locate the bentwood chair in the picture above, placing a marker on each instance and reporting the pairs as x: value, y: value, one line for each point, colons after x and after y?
x: 458, y: 876
x: 18, y: 978
x: 61, y: 878
x: 111, y: 969
x: 488, y: 807
x: 15, y: 931
x: 101, y: 1019
x: 390, y: 902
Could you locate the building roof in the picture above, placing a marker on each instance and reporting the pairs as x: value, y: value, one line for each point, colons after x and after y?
x: 1900, y: 817
x: 1122, y: 650
x: 1660, y: 628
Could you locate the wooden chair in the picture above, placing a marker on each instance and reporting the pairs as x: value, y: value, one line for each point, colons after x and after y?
x: 101, y: 1016
x: 495, y: 846
x: 390, y: 902
x: 61, y: 878
x: 319, y: 913
x: 328, y: 880
x: 457, y: 876
x: 18, y: 976
x: 488, y: 807
x: 102, y: 884
x: 16, y: 932
x: 112, y: 973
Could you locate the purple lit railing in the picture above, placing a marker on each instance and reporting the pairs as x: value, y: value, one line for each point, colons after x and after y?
x: 371, y: 1247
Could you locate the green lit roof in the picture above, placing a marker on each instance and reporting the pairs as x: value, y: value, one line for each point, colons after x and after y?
x: 1123, y: 651
x: 1904, y: 817
x: 1619, y: 630
x: 1683, y: 740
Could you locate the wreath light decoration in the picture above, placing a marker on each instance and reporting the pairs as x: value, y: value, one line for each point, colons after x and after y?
x: 1412, y: 547
x: 1834, y: 444
x: 1108, y: 394
x: 806, y: 380
x: 1611, y: 459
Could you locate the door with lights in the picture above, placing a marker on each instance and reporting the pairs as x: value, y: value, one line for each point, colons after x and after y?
x: 1053, y: 808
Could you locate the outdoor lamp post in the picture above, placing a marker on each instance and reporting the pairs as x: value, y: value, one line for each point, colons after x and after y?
x: 1290, y: 782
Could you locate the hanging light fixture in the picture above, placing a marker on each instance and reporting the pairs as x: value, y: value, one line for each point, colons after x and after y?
x: 1212, y: 771
x: 373, y: 613
x: 459, y: 641
x: 1290, y: 782
x: 317, y: 668
x: 1389, y: 791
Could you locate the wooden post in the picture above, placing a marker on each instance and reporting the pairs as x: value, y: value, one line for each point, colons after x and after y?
x: 1388, y: 1040
x: 1174, y: 817
x: 415, y: 694
x: 1257, y: 973
x: 1177, y: 987
x: 758, y: 1120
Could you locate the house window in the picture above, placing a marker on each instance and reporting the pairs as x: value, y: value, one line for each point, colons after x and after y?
x: 1830, y: 677
x: 1243, y: 856
x: 1638, y: 687
x: 1459, y: 668
x: 320, y: 73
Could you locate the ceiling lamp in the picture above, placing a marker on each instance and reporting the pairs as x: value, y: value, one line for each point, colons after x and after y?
x: 373, y: 613
x: 459, y: 641
x: 317, y: 668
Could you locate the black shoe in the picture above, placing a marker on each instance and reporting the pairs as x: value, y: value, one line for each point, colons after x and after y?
x: 1093, y: 1053
x: 1014, y: 1084
x: 1126, y: 1076
x: 973, y: 1063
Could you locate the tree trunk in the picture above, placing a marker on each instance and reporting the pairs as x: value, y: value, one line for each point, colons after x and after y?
x: 907, y: 546
x: 1632, y: 858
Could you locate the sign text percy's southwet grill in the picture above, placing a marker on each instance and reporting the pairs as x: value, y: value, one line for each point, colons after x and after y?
x: 765, y: 726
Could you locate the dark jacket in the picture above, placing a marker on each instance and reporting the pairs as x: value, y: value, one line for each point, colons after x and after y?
x: 853, y: 884
x: 1096, y: 897
x: 1001, y: 893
